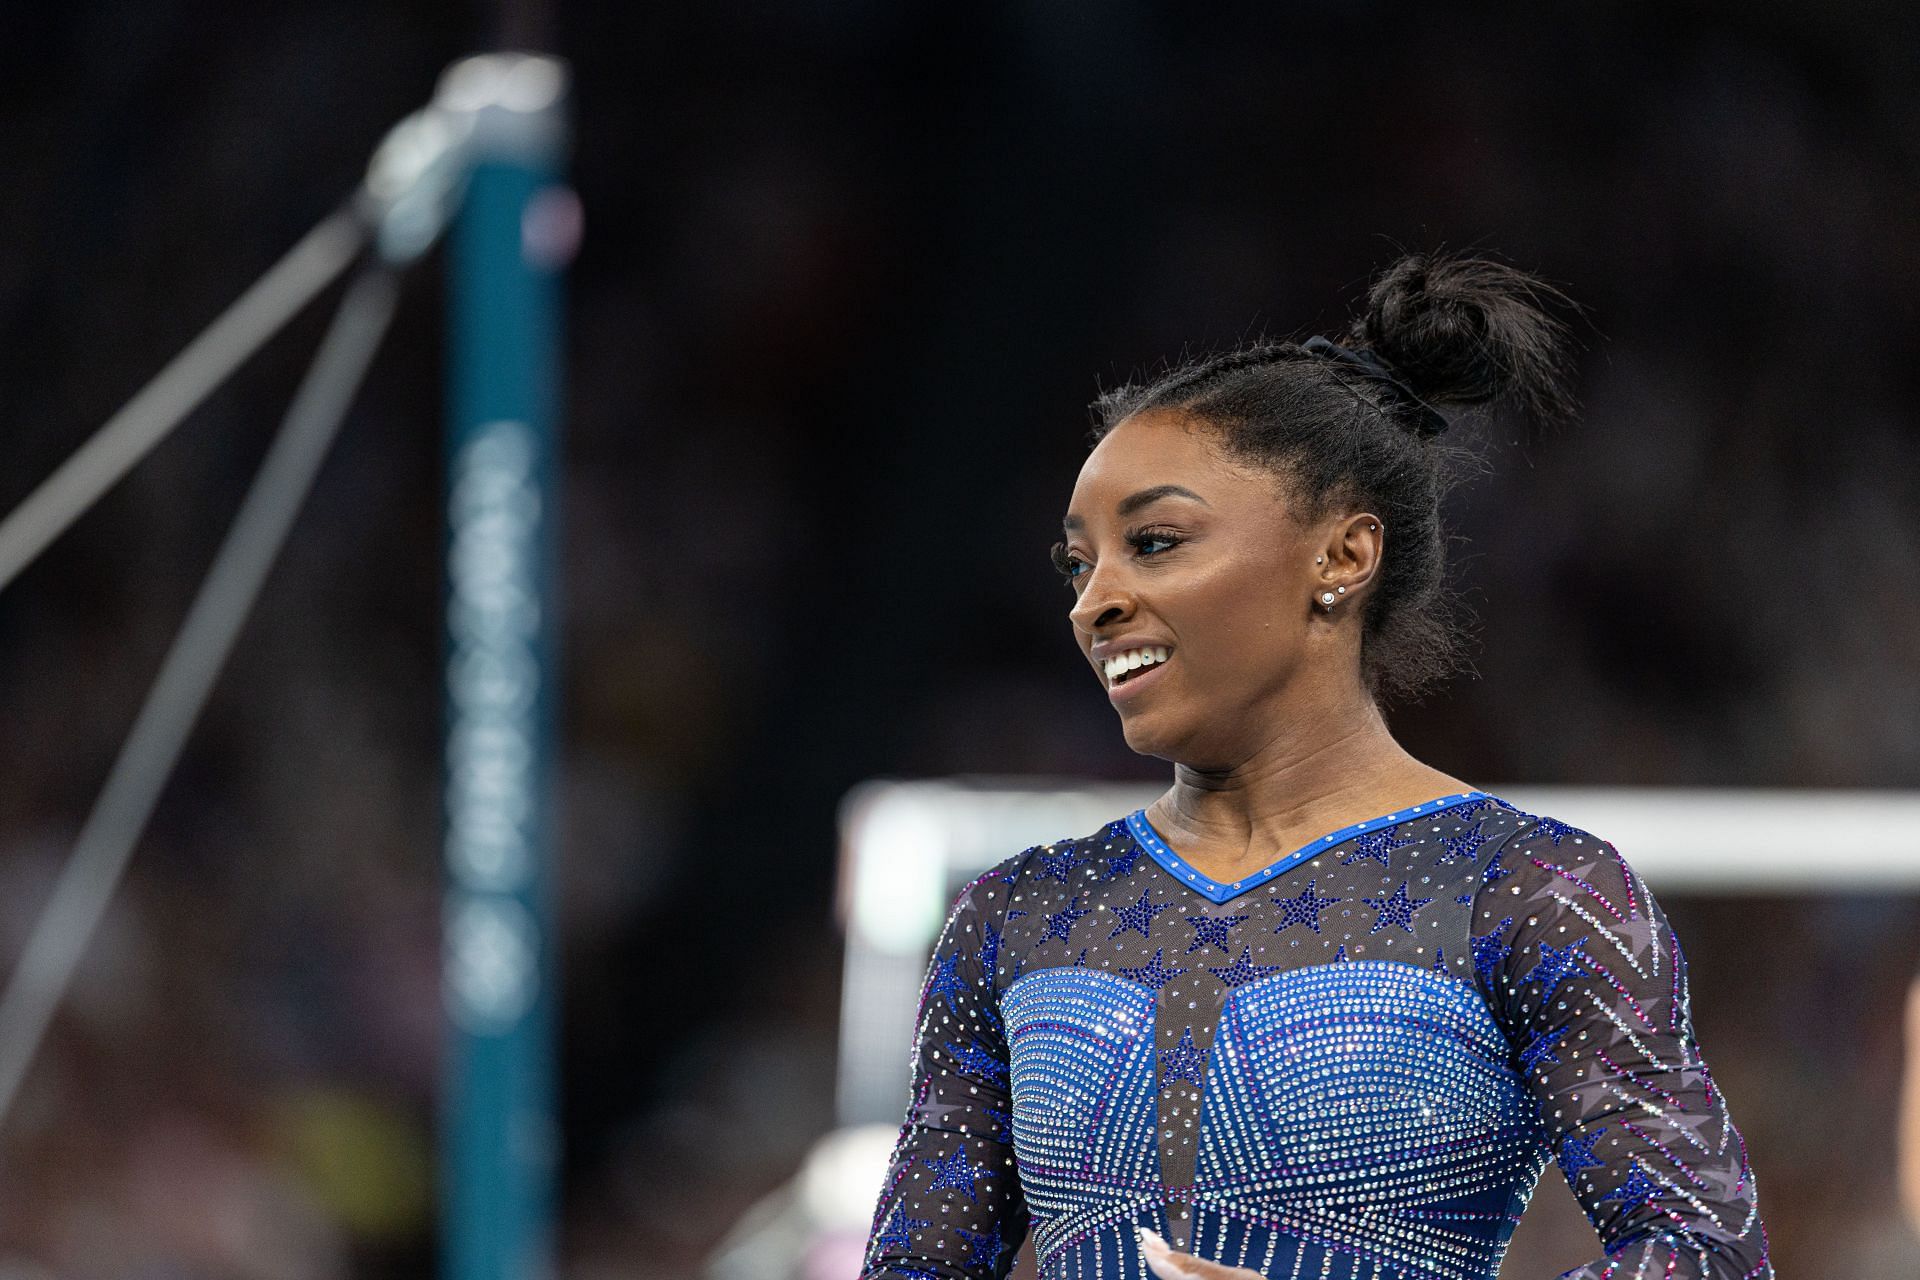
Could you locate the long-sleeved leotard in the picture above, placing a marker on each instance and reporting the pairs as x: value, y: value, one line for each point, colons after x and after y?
x: 1351, y: 1065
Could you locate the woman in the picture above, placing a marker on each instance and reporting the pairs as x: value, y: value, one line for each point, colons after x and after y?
x: 1321, y: 1010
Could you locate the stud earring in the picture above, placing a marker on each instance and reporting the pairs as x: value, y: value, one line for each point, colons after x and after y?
x: 1319, y: 559
x: 1343, y: 591
x: 1326, y: 598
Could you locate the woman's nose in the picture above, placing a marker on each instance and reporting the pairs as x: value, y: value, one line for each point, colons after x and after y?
x: 1102, y: 601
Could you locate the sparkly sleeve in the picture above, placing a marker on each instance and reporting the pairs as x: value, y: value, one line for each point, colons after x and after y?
x: 951, y: 1207
x: 1582, y: 969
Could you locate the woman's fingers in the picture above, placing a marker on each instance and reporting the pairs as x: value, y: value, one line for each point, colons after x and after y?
x: 1170, y: 1264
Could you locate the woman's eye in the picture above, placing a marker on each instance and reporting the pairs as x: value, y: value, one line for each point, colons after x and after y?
x: 1140, y: 541
x: 1067, y: 565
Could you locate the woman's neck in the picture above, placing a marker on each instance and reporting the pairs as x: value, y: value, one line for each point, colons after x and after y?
x: 1293, y: 789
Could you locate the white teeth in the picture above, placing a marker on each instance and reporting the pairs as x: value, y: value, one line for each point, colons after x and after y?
x: 1133, y: 659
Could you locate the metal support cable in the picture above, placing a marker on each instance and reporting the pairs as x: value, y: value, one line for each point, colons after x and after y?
x: 187, y: 674
x: 128, y: 436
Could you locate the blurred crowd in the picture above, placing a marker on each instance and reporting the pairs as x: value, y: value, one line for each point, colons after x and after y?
x: 851, y: 272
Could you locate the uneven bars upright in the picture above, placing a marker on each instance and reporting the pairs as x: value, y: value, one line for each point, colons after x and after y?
x: 510, y: 240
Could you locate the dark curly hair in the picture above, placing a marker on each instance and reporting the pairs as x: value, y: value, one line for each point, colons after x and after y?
x: 1455, y: 332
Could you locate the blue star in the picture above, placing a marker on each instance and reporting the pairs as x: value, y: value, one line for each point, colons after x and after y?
x: 1121, y: 864
x: 947, y: 980
x: 1185, y: 1062
x: 1556, y: 965
x: 1541, y: 1050
x: 978, y: 1062
x: 1080, y: 961
x: 1305, y: 908
x: 1153, y: 973
x: 986, y: 1246
x: 1465, y: 846
x: 1439, y: 960
x: 895, y: 1237
x: 1002, y: 1124
x: 1061, y: 922
x: 1138, y: 916
x: 1577, y: 1153
x: 1553, y: 829
x: 989, y: 949
x: 1635, y: 1191
x: 1397, y: 909
x: 1467, y: 810
x: 1493, y: 870
x: 1054, y: 866
x: 1376, y: 844
x: 955, y: 1172
x: 1211, y: 931
x: 1489, y: 951
x: 1244, y: 969
x: 1341, y: 954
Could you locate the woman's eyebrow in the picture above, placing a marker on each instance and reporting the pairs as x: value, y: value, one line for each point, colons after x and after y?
x: 1133, y: 502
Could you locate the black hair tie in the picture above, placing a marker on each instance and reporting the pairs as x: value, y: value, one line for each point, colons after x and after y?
x: 1432, y: 421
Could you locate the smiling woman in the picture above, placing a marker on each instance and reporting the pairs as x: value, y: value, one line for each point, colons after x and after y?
x: 1322, y: 1010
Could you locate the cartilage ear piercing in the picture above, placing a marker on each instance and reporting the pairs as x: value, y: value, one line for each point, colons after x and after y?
x: 1343, y: 591
x: 1373, y: 526
x: 1319, y: 559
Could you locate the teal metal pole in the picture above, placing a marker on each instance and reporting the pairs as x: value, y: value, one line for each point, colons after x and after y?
x: 509, y: 242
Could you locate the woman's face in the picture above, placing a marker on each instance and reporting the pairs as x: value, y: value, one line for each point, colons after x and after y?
x: 1172, y: 544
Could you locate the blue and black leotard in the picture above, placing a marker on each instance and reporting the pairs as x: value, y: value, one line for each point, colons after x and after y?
x: 1354, y: 1064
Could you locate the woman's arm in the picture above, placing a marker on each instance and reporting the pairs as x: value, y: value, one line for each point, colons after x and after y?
x: 1582, y: 969
x: 951, y: 1206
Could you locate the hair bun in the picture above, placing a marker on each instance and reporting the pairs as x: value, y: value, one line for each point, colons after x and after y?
x: 1470, y: 331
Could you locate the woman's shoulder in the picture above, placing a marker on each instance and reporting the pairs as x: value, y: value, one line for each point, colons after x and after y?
x: 1532, y: 854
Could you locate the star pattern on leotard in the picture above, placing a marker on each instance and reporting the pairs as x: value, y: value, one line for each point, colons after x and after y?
x: 978, y: 1061
x: 1121, y: 864
x: 1493, y: 870
x: 1635, y: 1191
x: 986, y: 1246
x: 1556, y: 965
x: 1303, y: 908
x: 1553, y: 829
x: 1489, y: 951
x: 1541, y: 1048
x: 1465, y: 846
x: 955, y: 1171
x: 990, y: 962
x: 1211, y: 931
x: 1060, y: 923
x: 1243, y: 970
x: 1138, y: 916
x: 896, y: 1236
x: 1184, y: 1062
x: 1055, y: 866
x: 1396, y: 909
x: 1376, y: 844
x: 946, y: 979
x: 1153, y: 973
x: 1577, y: 1153
x: 1002, y: 1124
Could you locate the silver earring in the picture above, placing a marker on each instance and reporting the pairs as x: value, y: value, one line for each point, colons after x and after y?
x: 1326, y: 598
x: 1319, y: 559
x: 1343, y: 591
x: 1373, y: 526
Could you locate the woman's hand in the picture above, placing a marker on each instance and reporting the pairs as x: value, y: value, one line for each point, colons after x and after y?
x: 1169, y: 1263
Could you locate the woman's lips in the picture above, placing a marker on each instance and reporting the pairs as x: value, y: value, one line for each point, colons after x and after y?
x: 1130, y: 687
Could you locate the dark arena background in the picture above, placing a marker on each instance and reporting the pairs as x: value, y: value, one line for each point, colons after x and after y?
x: 848, y: 273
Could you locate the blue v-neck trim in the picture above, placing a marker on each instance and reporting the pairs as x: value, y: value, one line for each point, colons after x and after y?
x: 1156, y: 848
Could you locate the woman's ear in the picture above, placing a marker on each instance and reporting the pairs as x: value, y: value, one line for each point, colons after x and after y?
x: 1348, y: 559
